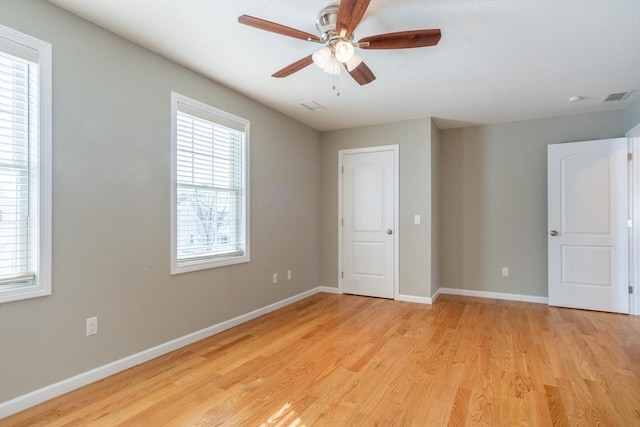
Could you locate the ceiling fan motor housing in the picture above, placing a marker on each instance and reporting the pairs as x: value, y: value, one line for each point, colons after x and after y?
x: 326, y: 22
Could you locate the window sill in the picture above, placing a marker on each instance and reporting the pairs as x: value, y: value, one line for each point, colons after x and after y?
x: 205, y: 264
x: 23, y: 292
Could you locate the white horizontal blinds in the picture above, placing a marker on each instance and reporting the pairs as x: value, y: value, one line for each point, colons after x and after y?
x: 210, y: 186
x: 18, y: 169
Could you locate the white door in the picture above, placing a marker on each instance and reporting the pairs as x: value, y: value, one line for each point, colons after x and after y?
x: 588, y: 230
x: 368, y: 231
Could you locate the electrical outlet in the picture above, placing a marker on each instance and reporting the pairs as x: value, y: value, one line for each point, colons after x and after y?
x: 92, y: 325
x: 288, y: 274
x: 275, y: 277
x: 505, y: 271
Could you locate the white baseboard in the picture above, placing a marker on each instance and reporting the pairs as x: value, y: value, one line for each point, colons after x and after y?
x: 36, y: 397
x: 413, y: 298
x: 328, y: 289
x: 400, y: 297
x: 494, y: 295
x: 436, y: 294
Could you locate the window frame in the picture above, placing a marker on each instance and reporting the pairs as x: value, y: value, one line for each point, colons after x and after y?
x: 203, y: 263
x: 42, y: 282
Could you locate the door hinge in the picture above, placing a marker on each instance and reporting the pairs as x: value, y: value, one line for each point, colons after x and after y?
x: 630, y: 289
x: 342, y: 222
x: 342, y: 275
x: 629, y: 156
x: 342, y: 170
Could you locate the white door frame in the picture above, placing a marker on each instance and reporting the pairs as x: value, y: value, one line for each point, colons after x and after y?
x: 396, y: 209
x: 633, y: 137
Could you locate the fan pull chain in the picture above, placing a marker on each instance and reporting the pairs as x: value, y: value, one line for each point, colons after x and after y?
x: 336, y: 84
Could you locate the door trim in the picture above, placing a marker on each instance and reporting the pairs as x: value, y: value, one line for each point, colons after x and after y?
x: 633, y: 136
x: 396, y: 209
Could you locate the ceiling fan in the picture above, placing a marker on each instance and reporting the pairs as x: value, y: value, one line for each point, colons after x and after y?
x: 336, y: 24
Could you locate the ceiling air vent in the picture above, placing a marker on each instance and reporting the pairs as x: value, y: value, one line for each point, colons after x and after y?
x: 612, y: 97
x: 312, y: 105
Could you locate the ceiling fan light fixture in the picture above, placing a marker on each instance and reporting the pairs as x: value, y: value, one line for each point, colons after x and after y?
x: 332, y: 67
x: 336, y: 24
x: 344, y: 51
x: 353, y: 63
x: 321, y: 57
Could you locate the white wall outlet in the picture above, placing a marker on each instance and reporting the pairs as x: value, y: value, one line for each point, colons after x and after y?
x: 288, y: 274
x: 416, y: 219
x: 275, y: 277
x: 505, y: 271
x: 92, y: 325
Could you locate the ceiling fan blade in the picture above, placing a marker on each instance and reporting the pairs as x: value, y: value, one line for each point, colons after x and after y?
x: 402, y: 40
x: 350, y: 13
x: 362, y: 74
x: 292, y: 68
x: 265, y: 25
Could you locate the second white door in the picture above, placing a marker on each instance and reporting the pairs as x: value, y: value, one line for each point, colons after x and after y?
x: 368, y: 222
x: 588, y: 230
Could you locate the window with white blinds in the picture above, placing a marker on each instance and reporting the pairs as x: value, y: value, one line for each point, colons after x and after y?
x: 209, y: 187
x: 25, y: 143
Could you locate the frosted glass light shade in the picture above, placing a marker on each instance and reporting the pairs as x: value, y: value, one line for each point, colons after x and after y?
x: 344, y: 51
x: 321, y: 57
x: 332, y: 67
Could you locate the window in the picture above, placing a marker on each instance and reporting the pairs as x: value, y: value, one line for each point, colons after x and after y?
x: 25, y: 166
x: 209, y: 187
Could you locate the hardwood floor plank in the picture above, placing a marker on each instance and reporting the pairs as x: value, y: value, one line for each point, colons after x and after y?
x: 539, y: 413
x: 342, y: 360
x: 459, y: 410
x: 556, y: 407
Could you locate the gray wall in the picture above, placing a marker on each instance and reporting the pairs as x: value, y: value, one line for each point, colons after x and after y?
x: 111, y: 204
x: 493, y: 199
x: 414, y: 139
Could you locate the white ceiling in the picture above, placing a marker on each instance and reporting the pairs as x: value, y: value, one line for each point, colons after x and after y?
x: 497, y: 61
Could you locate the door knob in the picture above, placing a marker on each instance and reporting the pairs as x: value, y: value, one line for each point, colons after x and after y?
x: 389, y: 231
x: 553, y: 233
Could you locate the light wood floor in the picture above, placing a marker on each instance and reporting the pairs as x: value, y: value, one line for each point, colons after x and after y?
x: 337, y: 360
